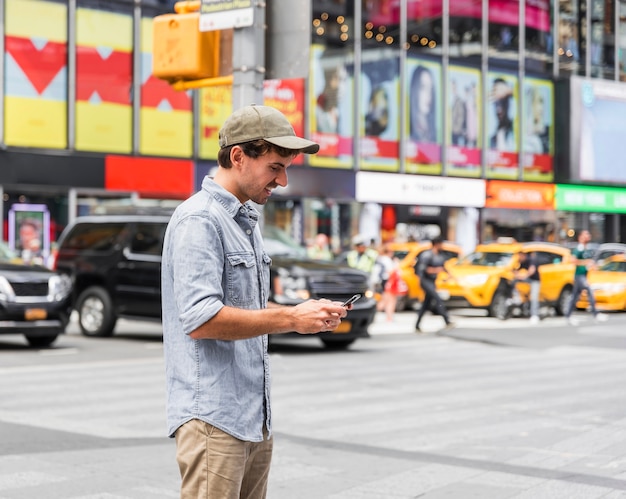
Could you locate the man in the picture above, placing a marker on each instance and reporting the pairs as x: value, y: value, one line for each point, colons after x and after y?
x: 362, y: 257
x: 215, y: 286
x: 30, y: 241
x: 429, y: 264
x: 583, y: 260
x: 320, y: 249
x: 528, y: 271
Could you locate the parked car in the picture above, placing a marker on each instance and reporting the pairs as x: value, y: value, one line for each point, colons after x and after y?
x: 608, y: 283
x: 34, y: 301
x: 482, y: 278
x: 408, y: 254
x: 115, y: 264
x: 606, y: 250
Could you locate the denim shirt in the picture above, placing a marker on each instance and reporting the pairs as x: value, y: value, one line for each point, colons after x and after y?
x: 213, y: 257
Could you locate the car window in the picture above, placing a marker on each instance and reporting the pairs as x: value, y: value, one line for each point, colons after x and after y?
x: 614, y: 267
x: 278, y: 243
x: 400, y: 254
x: 447, y: 254
x: 97, y: 237
x: 488, y: 259
x: 148, y: 238
x: 545, y: 257
x: 6, y: 254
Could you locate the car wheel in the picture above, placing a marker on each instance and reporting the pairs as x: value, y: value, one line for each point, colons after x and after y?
x: 563, y: 301
x: 338, y: 344
x: 95, y: 312
x: 41, y: 341
x: 499, y: 308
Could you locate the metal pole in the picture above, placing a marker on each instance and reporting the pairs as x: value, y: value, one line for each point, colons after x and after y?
x: 249, y: 60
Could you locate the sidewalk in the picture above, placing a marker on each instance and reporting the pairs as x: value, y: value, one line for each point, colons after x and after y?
x: 404, y: 322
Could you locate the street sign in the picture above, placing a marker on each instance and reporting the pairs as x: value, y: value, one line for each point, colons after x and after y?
x: 225, y: 14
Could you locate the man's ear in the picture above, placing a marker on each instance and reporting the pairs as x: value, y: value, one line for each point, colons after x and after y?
x: 236, y: 156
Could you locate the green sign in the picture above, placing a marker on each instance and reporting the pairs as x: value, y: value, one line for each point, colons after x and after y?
x: 590, y: 199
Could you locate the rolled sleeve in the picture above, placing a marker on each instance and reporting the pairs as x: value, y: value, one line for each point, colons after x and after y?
x: 197, y: 271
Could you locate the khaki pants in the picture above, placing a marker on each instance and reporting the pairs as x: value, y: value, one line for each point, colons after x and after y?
x: 214, y: 464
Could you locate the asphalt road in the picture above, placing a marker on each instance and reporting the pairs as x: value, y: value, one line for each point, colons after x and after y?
x: 489, y: 409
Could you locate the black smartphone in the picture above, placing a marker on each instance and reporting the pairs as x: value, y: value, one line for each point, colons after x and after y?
x: 350, y: 301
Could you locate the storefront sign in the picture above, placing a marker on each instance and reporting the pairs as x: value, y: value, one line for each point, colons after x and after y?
x: 590, y: 199
x: 519, y: 195
x: 393, y: 188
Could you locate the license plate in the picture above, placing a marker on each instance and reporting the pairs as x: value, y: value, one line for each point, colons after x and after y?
x: 35, y: 314
x: 443, y: 294
x: 344, y: 327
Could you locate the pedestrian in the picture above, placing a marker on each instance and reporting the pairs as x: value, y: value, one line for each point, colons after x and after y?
x: 429, y: 265
x: 216, y: 316
x: 394, y: 287
x: 362, y: 257
x: 528, y: 271
x: 583, y: 258
x: 320, y: 249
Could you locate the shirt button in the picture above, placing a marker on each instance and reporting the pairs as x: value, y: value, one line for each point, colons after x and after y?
x: 248, y: 231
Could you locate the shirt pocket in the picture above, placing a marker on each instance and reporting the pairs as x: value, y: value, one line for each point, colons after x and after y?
x: 242, y: 280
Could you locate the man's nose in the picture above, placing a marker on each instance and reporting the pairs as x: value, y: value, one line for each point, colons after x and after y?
x: 281, y: 178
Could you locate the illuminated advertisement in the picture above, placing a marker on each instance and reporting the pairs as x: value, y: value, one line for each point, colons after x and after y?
x: 104, y: 65
x: 35, y: 74
x: 380, y: 99
x: 502, y: 127
x: 29, y: 231
x: 538, y: 136
x: 597, y: 132
x: 423, y: 117
x: 165, y: 115
x: 590, y: 198
x: 216, y: 104
x: 465, y: 137
x: 386, y: 12
x: 331, y: 114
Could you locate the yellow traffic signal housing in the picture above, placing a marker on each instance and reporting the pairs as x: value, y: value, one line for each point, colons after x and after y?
x: 180, y: 51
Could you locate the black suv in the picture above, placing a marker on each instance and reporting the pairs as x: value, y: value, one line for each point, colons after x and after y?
x: 115, y: 264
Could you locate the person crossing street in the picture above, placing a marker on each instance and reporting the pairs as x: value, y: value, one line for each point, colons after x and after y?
x: 428, y: 266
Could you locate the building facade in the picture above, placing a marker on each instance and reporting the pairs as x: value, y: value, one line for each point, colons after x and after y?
x: 469, y: 118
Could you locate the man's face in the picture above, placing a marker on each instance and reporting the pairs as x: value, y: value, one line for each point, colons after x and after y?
x: 257, y: 177
x: 28, y: 233
x: 585, y: 237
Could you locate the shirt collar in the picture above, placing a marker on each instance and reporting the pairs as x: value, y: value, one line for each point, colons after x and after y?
x: 229, y: 201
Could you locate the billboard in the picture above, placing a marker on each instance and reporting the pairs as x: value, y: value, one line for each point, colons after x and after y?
x: 597, y: 131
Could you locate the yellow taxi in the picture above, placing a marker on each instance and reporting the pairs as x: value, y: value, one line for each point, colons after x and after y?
x: 408, y: 253
x: 608, y: 283
x: 483, y: 278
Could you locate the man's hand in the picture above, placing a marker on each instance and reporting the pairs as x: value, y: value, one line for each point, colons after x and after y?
x: 314, y: 316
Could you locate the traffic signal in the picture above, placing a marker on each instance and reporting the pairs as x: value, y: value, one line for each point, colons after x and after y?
x: 181, y: 52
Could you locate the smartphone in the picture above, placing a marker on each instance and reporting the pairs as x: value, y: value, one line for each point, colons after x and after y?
x: 350, y: 301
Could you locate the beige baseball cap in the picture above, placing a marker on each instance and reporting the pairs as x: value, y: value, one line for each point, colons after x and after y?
x: 262, y: 122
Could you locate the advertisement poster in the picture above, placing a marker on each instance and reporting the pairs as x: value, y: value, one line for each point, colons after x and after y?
x: 597, y: 130
x: 216, y: 104
x: 464, y: 105
x: 538, y: 137
x: 380, y: 102
x: 331, y: 113
x: 502, y: 127
x: 424, y: 127
x: 165, y: 117
x: 29, y: 232
x: 104, y: 74
x: 35, y: 65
